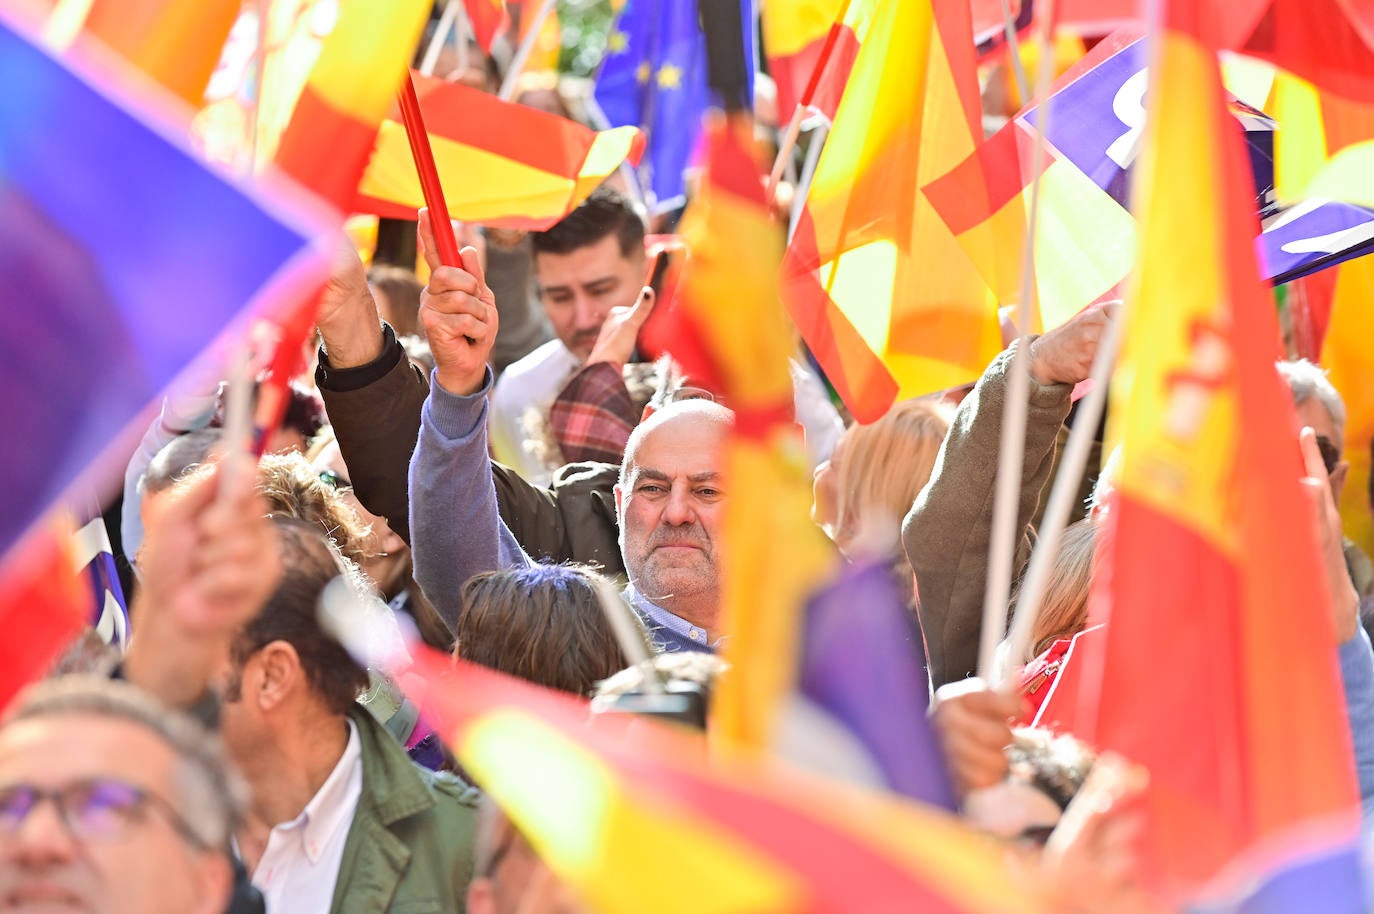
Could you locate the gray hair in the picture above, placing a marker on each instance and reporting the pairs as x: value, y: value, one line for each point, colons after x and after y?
x: 707, y: 408
x: 209, y: 793
x: 685, y: 666
x: 1305, y: 381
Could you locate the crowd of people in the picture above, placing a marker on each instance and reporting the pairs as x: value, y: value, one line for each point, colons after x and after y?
x: 483, y: 463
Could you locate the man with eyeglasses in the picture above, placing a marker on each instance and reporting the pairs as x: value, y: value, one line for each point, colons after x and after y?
x: 1321, y: 408
x: 111, y: 803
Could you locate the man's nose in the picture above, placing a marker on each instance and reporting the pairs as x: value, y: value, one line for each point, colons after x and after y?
x: 41, y: 839
x: 587, y: 312
x: 679, y: 509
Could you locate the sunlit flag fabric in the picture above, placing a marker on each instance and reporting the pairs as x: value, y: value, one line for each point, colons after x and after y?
x: 794, y: 34
x: 1211, y: 543
x: 123, y: 269
x: 42, y: 605
x: 175, y: 43
x: 1348, y: 356
x: 621, y: 812
x: 882, y: 292
x: 351, y: 88
x: 501, y: 164
x: 654, y: 77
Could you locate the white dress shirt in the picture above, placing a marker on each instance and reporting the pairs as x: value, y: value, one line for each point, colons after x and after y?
x: 529, y: 385
x: 300, y: 865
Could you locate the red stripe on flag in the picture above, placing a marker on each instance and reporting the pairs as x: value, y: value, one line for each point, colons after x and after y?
x: 316, y: 125
x: 42, y: 608
x: 982, y: 184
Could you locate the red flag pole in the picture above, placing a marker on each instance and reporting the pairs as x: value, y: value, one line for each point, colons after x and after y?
x: 429, y: 174
x: 789, y: 141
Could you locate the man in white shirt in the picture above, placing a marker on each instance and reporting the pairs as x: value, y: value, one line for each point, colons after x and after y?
x: 587, y: 264
x: 341, y: 820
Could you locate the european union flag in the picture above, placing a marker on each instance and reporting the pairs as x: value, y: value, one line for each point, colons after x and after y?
x: 654, y: 78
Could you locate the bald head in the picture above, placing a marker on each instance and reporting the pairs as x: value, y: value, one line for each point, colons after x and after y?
x: 681, y: 417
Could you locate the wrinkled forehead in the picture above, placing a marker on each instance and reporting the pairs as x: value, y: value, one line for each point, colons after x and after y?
x: 684, y: 439
x: 59, y: 748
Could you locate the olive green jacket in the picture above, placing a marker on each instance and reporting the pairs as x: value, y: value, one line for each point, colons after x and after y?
x: 409, y: 849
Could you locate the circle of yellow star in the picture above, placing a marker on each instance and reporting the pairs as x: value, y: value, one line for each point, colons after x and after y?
x: 669, y: 76
x: 643, y: 72
x: 617, y: 42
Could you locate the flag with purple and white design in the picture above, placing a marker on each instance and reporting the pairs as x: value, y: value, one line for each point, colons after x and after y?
x: 94, y: 560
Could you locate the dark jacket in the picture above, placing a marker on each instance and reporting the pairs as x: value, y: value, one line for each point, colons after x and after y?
x: 949, y: 530
x: 375, y: 411
x: 410, y: 847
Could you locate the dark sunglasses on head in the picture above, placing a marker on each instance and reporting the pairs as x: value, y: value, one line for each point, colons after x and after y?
x: 99, y: 809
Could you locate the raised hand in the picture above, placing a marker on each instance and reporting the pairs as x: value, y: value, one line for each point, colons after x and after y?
x: 348, y: 320
x: 616, y: 342
x: 1345, y: 602
x: 459, y: 314
x: 1065, y: 354
x: 974, y: 726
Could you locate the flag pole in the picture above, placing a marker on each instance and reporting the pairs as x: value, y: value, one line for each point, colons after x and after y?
x: 789, y: 140
x: 1014, y: 50
x: 522, y: 53
x: 1062, y: 496
x: 813, y: 157
x: 442, y: 28
x: 1012, y: 446
x: 414, y: 120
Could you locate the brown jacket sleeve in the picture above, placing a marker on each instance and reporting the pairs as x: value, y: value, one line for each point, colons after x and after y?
x: 948, y: 532
x: 375, y: 411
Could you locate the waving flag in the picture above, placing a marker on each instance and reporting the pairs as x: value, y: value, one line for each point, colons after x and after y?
x: 488, y: 21
x: 654, y: 78
x: 745, y: 836
x: 175, y: 43
x: 129, y: 266
x: 329, y: 139
x: 794, y: 35
x: 42, y: 606
x: 501, y: 164
x: 879, y: 287
x: 94, y: 560
x: 1346, y: 354
x: 1210, y: 532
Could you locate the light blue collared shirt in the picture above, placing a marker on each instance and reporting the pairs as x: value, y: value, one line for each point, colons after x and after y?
x: 664, y: 625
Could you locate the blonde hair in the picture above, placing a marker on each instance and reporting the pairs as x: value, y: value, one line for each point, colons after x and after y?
x: 885, y: 466
x: 1064, y: 609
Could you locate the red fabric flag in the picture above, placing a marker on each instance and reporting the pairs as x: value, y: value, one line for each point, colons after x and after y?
x: 488, y: 21
x: 43, y: 606
x: 1211, y: 574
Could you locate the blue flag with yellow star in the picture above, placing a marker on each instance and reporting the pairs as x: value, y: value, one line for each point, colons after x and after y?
x: 654, y: 77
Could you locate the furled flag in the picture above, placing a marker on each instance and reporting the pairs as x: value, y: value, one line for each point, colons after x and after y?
x: 106, y: 250
x: 501, y: 164
x: 175, y: 43
x: 327, y: 144
x: 488, y: 21
x: 94, y: 560
x: 654, y: 78
x: 1210, y: 541
x: 881, y: 291
x: 601, y: 803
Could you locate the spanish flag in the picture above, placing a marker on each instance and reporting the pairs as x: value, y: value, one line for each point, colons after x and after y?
x: 1346, y: 355
x: 501, y: 164
x: 177, y: 44
x: 1220, y: 671
x: 794, y: 35
x: 774, y: 558
x: 879, y: 287
x: 621, y: 812
x: 43, y: 604
x: 1325, y: 148
x: 329, y: 139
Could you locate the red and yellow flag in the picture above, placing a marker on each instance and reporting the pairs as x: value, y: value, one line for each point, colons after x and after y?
x: 501, y: 163
x: 43, y: 605
x: 1212, y: 576
x: 619, y: 812
x: 879, y: 287
x: 794, y: 34
x: 329, y: 139
x: 175, y: 43
x: 1346, y: 354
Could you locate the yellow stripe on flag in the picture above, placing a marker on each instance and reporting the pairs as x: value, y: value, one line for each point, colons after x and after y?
x: 1347, y: 355
x: 357, y: 69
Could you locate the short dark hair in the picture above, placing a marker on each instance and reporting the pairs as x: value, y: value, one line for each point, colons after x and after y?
x: 308, y: 564
x: 544, y: 624
x: 605, y: 212
x: 304, y: 411
x: 402, y: 289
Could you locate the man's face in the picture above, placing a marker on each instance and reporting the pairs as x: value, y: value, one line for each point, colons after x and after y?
x: 135, y: 862
x: 580, y: 288
x: 670, y: 514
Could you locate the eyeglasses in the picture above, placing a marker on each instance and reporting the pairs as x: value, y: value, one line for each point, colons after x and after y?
x: 691, y: 393
x: 100, y: 809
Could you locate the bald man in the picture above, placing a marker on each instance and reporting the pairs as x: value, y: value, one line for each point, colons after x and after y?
x: 667, y: 501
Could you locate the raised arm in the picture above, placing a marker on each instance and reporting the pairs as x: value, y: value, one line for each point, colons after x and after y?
x: 948, y: 532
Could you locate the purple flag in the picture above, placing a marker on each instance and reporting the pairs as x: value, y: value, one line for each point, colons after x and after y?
x: 124, y: 258
x: 863, y: 667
